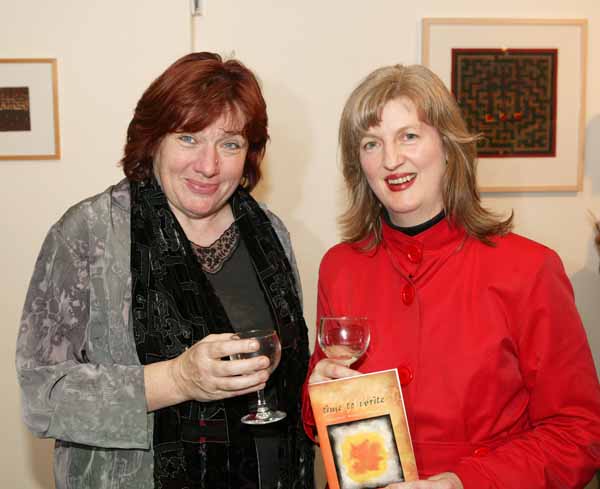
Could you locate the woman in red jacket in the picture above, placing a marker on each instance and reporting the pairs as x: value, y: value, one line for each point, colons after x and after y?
x: 497, y: 374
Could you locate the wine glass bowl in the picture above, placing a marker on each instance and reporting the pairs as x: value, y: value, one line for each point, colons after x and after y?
x: 270, y: 347
x: 344, y: 338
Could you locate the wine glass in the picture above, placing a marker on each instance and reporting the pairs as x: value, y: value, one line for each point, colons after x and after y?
x: 344, y: 338
x: 269, y: 346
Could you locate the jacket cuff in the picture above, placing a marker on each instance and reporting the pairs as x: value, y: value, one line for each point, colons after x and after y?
x: 308, y: 419
x: 471, y: 478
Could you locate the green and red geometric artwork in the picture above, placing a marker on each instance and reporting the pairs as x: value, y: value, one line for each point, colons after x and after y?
x: 508, y: 96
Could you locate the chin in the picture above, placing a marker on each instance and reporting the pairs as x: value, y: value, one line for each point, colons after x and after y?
x: 403, y: 211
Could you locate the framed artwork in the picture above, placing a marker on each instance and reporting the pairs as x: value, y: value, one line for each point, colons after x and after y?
x: 29, y: 128
x: 520, y: 84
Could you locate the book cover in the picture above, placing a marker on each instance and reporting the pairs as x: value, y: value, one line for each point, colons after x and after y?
x: 363, y: 432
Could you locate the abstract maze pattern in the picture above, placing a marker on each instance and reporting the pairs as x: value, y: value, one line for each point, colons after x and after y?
x: 509, y: 97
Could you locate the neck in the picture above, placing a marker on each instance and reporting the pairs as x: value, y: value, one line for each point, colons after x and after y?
x: 204, y: 231
x: 419, y: 228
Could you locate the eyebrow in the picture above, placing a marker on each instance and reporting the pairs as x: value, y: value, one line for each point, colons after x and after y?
x: 232, y: 132
x: 400, y: 129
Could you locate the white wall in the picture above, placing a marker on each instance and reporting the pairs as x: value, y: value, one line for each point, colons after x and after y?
x: 108, y: 52
x: 309, y: 55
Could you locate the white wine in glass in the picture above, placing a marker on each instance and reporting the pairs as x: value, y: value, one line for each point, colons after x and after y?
x: 270, y: 347
x: 345, y: 338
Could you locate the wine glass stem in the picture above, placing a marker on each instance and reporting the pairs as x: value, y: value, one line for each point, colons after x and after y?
x: 261, y: 405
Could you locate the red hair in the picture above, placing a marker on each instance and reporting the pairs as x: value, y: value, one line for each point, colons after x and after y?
x: 189, y: 96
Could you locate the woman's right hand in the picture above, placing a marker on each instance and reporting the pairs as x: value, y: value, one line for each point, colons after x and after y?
x: 329, y: 369
x: 204, y: 372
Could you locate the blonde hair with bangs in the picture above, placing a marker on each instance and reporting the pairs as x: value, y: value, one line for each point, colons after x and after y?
x: 436, y: 107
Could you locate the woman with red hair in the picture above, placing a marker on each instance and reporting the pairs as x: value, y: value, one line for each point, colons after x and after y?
x: 130, y: 319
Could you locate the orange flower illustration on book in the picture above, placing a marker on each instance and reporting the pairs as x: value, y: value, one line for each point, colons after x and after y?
x: 365, y: 453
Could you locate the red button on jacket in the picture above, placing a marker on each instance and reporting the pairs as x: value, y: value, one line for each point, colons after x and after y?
x: 405, y: 374
x: 414, y: 254
x: 481, y: 451
x: 408, y: 294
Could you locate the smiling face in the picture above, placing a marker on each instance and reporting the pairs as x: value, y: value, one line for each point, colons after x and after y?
x: 198, y: 172
x: 403, y: 160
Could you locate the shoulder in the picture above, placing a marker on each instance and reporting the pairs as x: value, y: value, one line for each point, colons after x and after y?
x: 518, y: 253
x: 278, y: 226
x: 340, y: 251
x: 101, y: 209
x: 513, y: 243
x: 346, y: 254
x: 280, y: 230
x: 276, y: 221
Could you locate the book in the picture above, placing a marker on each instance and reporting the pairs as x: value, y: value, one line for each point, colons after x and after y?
x: 363, y: 432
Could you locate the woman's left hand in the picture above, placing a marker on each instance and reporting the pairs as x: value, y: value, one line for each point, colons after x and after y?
x: 330, y: 369
x: 445, y: 480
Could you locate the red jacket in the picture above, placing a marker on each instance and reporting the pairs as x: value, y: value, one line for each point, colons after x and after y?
x: 497, y: 374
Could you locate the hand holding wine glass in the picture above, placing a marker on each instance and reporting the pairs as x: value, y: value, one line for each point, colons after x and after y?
x: 270, y: 347
x: 345, y: 338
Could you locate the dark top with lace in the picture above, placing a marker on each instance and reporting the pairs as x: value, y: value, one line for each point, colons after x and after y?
x: 228, y: 268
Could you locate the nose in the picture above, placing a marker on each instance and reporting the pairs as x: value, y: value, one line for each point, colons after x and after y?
x: 393, y: 157
x: 206, y: 161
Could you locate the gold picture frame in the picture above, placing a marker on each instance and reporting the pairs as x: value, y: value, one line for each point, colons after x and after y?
x: 561, y: 171
x: 29, y: 121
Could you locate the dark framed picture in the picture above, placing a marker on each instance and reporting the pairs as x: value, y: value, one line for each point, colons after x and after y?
x: 520, y: 84
x: 29, y: 124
